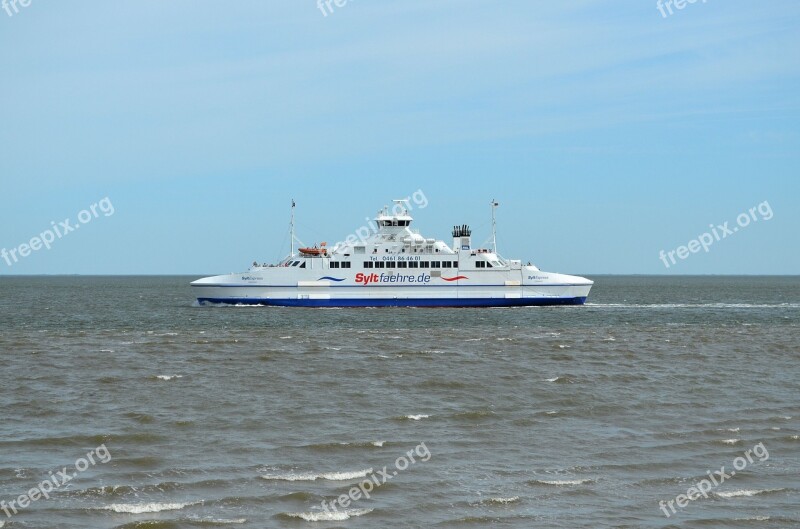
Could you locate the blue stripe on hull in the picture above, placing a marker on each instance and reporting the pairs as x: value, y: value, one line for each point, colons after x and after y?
x: 407, y: 302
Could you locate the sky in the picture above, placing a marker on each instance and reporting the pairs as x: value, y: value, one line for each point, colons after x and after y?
x: 607, y: 131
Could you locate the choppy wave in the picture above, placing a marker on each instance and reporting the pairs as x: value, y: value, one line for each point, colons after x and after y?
x: 561, y: 380
x: 141, y: 508
x: 330, y: 476
x: 744, y: 493
x: 168, y: 377
x: 322, y: 516
x: 332, y: 447
x: 473, y: 415
x: 416, y: 417
x: 502, y: 501
x: 121, y: 491
x: 560, y: 482
x: 217, y: 521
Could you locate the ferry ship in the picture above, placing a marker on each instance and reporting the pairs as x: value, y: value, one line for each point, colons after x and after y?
x: 395, y: 266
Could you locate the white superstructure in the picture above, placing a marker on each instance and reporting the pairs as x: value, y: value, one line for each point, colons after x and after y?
x: 397, y: 267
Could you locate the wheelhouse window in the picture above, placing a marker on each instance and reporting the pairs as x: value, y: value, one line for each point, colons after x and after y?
x: 334, y: 264
x: 445, y: 264
x: 424, y: 264
x: 402, y: 264
x: 346, y: 264
x: 390, y: 264
x: 368, y: 264
x: 379, y: 264
x: 436, y: 264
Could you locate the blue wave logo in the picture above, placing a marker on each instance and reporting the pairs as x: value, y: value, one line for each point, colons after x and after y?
x: 330, y: 279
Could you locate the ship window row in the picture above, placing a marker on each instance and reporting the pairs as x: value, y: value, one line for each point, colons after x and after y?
x: 427, y: 249
x: 340, y: 264
x: 302, y: 264
x: 483, y: 264
x: 394, y: 223
x: 410, y: 264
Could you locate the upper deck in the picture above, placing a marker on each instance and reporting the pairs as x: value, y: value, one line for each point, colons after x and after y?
x: 393, y: 244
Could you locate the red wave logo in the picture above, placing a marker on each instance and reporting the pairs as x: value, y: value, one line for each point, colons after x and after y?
x: 454, y: 278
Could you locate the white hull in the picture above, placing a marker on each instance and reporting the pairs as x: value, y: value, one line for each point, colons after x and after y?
x: 504, y: 289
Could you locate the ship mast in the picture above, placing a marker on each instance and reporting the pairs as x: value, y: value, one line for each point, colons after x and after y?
x: 494, y: 227
x: 291, y: 227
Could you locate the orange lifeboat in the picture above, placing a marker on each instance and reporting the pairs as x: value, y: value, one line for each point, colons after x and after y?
x: 315, y: 251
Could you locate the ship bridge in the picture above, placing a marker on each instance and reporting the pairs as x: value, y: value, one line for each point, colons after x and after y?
x: 395, y: 222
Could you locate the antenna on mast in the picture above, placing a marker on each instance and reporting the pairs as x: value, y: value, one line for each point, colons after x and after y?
x: 291, y: 227
x: 494, y: 227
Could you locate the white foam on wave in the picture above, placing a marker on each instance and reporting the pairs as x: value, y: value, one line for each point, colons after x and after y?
x: 417, y: 417
x: 218, y: 521
x: 744, y: 493
x: 344, y: 476
x: 753, y: 519
x: 552, y: 379
x: 730, y: 441
x: 331, y: 516
x: 168, y: 377
x: 141, y: 508
x: 796, y: 437
x: 378, y: 443
x: 564, y: 482
x: 330, y: 476
x: 503, y: 501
